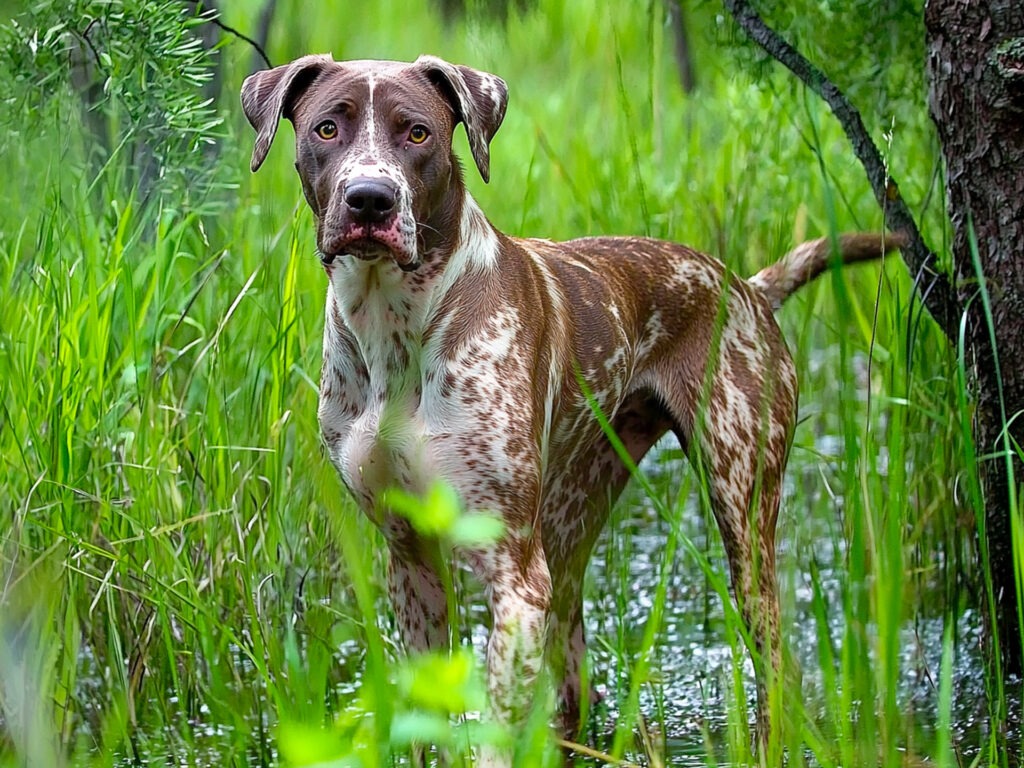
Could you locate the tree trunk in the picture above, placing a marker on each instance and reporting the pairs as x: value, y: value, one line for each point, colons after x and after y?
x: 976, y: 74
x: 681, y: 45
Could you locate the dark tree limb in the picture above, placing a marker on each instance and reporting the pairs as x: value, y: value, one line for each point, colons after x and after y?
x: 207, y: 10
x: 933, y: 286
x: 257, y: 48
x: 263, y: 32
x: 231, y: 31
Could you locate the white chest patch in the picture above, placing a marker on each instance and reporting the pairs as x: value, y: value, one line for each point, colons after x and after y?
x: 370, y: 385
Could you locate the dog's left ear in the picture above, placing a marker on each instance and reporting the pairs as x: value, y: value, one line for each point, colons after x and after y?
x: 479, y: 100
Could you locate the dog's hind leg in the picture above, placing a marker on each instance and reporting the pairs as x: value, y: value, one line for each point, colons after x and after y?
x: 738, y: 439
x: 745, y: 500
x: 736, y: 423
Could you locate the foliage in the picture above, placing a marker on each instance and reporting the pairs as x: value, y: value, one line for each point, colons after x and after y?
x: 132, y: 72
x: 437, y: 515
x: 874, y: 51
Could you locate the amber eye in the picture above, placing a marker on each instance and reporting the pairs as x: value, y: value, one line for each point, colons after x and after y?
x: 327, y: 130
x: 418, y: 134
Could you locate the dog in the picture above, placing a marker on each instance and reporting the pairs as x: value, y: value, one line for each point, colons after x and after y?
x: 452, y: 351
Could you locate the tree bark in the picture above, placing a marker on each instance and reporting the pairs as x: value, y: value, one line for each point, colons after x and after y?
x: 976, y: 75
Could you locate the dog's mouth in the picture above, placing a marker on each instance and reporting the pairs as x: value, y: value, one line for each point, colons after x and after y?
x: 369, y: 243
x: 367, y: 249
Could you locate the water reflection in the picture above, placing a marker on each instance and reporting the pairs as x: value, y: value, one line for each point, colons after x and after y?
x: 693, y: 694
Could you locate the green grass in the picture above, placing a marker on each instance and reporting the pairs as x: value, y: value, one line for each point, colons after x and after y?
x: 183, y: 579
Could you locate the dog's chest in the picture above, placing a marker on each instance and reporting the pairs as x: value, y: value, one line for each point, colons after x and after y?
x: 389, y: 412
x: 370, y: 390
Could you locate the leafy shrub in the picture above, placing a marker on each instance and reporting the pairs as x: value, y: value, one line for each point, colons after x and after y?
x: 133, y: 73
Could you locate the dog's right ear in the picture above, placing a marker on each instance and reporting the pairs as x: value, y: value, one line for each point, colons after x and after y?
x: 268, y: 95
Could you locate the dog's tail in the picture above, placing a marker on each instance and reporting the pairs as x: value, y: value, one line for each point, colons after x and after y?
x: 808, y: 260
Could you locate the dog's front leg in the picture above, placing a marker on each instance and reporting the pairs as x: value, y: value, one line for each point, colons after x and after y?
x: 515, y: 576
x: 421, y: 607
x: 420, y: 602
x: 567, y: 651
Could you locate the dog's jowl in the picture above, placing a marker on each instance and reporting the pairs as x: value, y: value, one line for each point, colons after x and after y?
x: 454, y: 352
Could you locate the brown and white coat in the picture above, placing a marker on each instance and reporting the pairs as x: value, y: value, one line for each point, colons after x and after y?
x: 452, y: 351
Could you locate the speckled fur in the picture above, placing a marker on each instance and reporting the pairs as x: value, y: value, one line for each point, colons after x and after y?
x: 456, y: 352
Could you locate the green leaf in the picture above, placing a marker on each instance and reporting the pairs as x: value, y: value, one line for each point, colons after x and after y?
x: 303, y: 744
x: 434, y: 681
x: 422, y: 728
x: 432, y: 515
x: 477, y: 529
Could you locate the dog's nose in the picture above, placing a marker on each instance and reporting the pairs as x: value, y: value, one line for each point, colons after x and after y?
x: 371, y: 199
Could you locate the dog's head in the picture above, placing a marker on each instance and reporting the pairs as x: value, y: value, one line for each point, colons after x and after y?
x: 374, y: 147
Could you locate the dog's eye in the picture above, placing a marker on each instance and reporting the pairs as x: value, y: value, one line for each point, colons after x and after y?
x: 418, y: 134
x: 327, y: 130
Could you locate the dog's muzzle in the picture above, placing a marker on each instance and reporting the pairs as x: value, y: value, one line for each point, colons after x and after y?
x: 368, y: 223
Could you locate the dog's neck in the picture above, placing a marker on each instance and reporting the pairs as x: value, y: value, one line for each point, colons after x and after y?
x: 389, y: 312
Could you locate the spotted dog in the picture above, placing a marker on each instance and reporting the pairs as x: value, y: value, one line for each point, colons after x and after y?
x: 452, y: 351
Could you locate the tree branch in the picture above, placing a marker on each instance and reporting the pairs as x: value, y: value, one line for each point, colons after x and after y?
x: 933, y: 286
x: 232, y: 31
x: 212, y: 16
